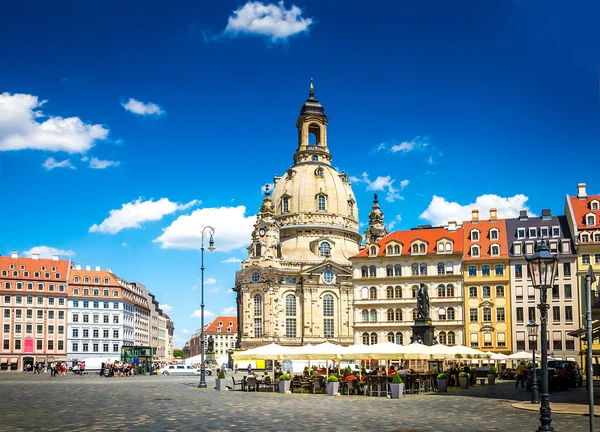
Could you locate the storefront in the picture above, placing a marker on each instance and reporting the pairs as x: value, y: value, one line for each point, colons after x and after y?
x: 141, y: 356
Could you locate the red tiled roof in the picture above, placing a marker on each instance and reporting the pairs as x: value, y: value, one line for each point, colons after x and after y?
x: 581, y: 207
x: 428, y: 235
x: 34, y: 265
x: 225, y: 320
x: 485, y: 241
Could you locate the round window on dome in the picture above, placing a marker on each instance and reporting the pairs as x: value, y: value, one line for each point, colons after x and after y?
x: 328, y: 276
x: 319, y: 172
x: 255, y: 277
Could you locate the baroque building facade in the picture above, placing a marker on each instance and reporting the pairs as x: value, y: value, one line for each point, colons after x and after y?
x: 295, y: 287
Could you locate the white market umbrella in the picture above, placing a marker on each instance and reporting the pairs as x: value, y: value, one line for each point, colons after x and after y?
x: 524, y: 355
x: 266, y: 352
x: 416, y: 351
x: 461, y: 351
x: 385, y: 351
x: 497, y: 356
x: 357, y: 352
x: 323, y: 351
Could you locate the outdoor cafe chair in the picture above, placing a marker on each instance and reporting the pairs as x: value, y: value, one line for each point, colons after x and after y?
x: 351, y: 385
x: 268, y: 384
x: 239, y: 384
x: 251, y: 383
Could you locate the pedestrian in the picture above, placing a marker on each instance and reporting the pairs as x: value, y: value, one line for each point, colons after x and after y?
x: 225, y: 368
x: 521, y: 371
x: 235, y: 369
x: 249, y: 369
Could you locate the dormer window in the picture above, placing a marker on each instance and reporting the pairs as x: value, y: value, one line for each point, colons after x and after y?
x: 390, y: 250
x: 321, y: 203
x: 421, y: 248
x: 285, y: 204
x: 440, y: 247
x: 475, y: 235
x: 544, y: 232
x: 596, y: 237
x: 397, y: 250
x: 475, y: 251
x: 324, y: 249
x: 76, y: 279
x: 517, y: 249
x: 494, y: 234
x: 594, y: 205
x: 415, y: 248
x: 521, y: 233
x: 590, y: 220
x: 585, y: 238
x: 532, y: 232
x: 373, y: 251
x: 448, y: 247
x: 495, y: 250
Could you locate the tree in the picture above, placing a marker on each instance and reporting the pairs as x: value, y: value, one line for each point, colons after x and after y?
x: 178, y: 353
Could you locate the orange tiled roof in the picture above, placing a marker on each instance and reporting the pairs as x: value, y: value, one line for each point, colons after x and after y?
x: 428, y: 235
x: 582, y: 207
x: 34, y: 265
x: 212, y: 327
x: 485, y: 242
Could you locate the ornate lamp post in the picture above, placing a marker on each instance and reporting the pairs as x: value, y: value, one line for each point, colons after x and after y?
x: 542, y: 268
x: 211, y: 247
x: 532, y: 332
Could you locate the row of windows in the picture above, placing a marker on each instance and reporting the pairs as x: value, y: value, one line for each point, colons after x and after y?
x: 396, y: 315
x: 18, y: 313
x: 30, y: 285
x: 417, y: 248
x: 96, y: 318
x: 95, y: 347
x: 555, y: 315
x: 531, y: 293
x: 291, y: 327
x: 494, y: 250
x: 85, y: 333
x: 96, y: 304
x: 486, y: 314
x: 290, y: 305
x: 39, y: 345
x: 586, y: 258
x: 416, y: 270
x: 486, y: 291
x: 538, y: 232
x: 398, y: 338
x: 22, y: 267
x: 18, y: 328
x: 29, y: 300
x: 487, y: 340
x: 492, y: 234
x: 554, y: 342
x: 95, y: 292
x: 396, y: 292
x: 486, y: 270
x: 15, y: 273
x: 86, y: 279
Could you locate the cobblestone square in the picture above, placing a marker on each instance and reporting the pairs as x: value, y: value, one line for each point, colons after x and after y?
x: 161, y: 403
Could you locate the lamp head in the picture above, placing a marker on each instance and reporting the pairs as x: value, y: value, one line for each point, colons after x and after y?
x: 542, y: 267
x: 211, y: 244
x: 532, y: 329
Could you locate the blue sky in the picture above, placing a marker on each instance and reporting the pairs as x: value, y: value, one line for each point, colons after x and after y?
x: 125, y: 128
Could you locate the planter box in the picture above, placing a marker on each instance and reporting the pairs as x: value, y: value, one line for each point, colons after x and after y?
x: 397, y: 390
x: 491, y: 379
x: 284, y: 386
x: 442, y: 385
x: 221, y: 386
x: 332, y: 388
x: 464, y: 382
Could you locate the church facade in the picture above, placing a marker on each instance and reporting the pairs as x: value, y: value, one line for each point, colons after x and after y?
x: 296, y: 287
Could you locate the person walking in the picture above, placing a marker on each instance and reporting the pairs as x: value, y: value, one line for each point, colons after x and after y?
x: 521, y: 371
x: 249, y: 369
x: 235, y: 369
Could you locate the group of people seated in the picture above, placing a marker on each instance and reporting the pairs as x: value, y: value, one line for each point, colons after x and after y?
x: 117, y: 369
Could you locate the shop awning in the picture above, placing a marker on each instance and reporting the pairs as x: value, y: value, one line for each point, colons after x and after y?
x: 582, y: 332
x: 4, y: 360
x: 14, y: 360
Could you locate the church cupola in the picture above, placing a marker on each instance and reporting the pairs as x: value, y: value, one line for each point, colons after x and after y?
x: 267, y: 209
x: 312, y: 132
x: 376, y: 230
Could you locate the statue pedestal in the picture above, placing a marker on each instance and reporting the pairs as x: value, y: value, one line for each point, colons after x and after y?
x: 423, y: 329
x: 210, y: 357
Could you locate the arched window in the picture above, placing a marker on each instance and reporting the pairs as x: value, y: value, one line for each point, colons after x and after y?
x: 390, y: 337
x: 372, y: 293
x: 365, y: 315
x: 290, y: 305
x: 321, y: 203
x: 390, y: 292
x: 285, y: 204
x: 414, y: 291
x: 389, y: 270
x: 258, y: 308
x: 324, y: 249
x: 399, y: 339
x: 76, y: 279
x: 397, y: 270
x: 421, y: 248
x: 373, y: 251
x: 449, y: 290
x: 257, y: 250
x: 106, y: 281
x: 442, y: 314
x: 398, y: 292
x: 423, y: 269
x: 415, y: 269
x: 390, y: 250
x: 442, y: 337
x: 450, y: 313
x: 448, y: 247
x: 441, y: 291
x: 441, y: 268
x: 475, y: 251
x: 397, y: 249
x: 440, y: 247
x: 96, y: 280
x: 319, y: 172
x: 451, y: 338
x: 364, y: 271
x: 373, y: 338
x: 373, y: 316
x: 328, y: 305
x: 372, y: 271
x: 86, y: 279
x: 415, y: 248
x: 398, y: 314
x: 351, y: 208
x: 390, y: 314
x: 495, y: 250
x: 365, y: 338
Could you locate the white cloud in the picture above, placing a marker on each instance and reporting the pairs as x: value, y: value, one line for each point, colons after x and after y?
x: 440, y: 211
x: 20, y: 128
x: 210, y: 281
x: 232, y: 229
x: 384, y: 184
x: 47, y: 252
x: 132, y: 214
x: 272, y: 20
x: 198, y: 313
x: 124, y: 244
x: 232, y: 260
x: 393, y: 223
x: 263, y: 187
x: 166, y: 307
x: 142, y: 108
x: 430, y: 160
x: 185, y: 331
x: 404, y: 147
x: 101, y: 164
x: 229, y: 310
x: 195, y: 287
x: 50, y: 164
x: 215, y: 289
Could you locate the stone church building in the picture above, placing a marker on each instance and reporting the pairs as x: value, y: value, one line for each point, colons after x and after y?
x: 295, y: 287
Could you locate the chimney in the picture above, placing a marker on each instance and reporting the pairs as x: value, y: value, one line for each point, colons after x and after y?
x: 55, y: 257
x: 14, y: 255
x: 581, y: 193
x: 88, y: 268
x: 451, y: 226
x: 109, y: 270
x: 97, y: 268
x: 546, y: 214
x: 523, y: 215
x: 493, y: 214
x: 35, y: 256
x: 77, y: 267
x: 475, y: 215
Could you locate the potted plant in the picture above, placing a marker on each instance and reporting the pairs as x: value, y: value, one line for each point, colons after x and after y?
x: 463, y: 379
x: 284, y: 383
x: 442, y: 380
x: 397, y: 386
x: 491, y: 376
x: 306, y: 370
x: 332, y: 385
x: 221, y: 381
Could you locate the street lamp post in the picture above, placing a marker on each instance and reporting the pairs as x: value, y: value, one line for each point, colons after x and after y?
x: 211, y: 247
x: 532, y: 332
x: 542, y: 267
